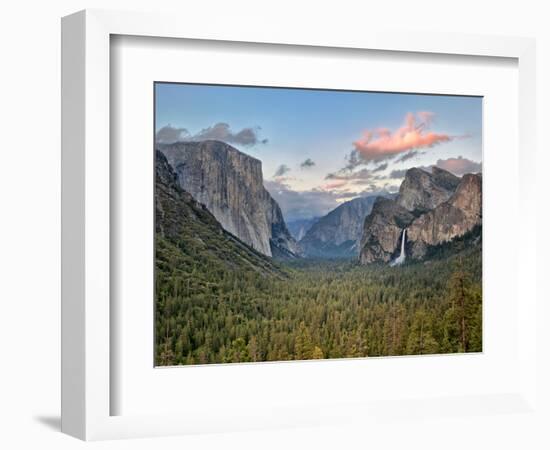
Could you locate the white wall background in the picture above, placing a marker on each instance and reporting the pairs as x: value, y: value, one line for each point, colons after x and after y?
x: 30, y: 198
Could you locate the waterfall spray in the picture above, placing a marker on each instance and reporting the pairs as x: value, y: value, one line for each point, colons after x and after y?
x: 401, y: 258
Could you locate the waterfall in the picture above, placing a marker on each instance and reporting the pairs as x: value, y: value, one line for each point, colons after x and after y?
x: 401, y: 258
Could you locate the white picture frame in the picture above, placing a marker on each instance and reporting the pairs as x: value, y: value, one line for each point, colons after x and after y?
x: 86, y: 245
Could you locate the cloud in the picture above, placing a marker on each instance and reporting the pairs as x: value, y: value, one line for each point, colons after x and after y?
x: 307, y: 164
x: 382, y: 144
x: 334, y: 184
x: 408, y: 155
x: 222, y: 132
x: 380, y: 168
x: 353, y: 160
x: 349, y: 178
x: 316, y: 202
x: 281, y: 171
x: 361, y: 177
x: 301, y: 205
x: 459, y: 166
x: 219, y: 132
x: 363, y: 182
x: 363, y: 174
x: 426, y: 117
x: 169, y: 134
x: 397, y: 174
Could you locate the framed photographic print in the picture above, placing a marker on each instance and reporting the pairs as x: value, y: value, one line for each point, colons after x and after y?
x: 293, y: 247
x: 266, y: 229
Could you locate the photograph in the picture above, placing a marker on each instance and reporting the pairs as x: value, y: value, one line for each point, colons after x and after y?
x: 296, y: 223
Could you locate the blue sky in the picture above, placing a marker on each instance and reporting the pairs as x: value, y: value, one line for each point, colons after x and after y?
x: 357, y: 143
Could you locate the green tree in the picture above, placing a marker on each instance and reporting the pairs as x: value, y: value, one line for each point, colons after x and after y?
x: 238, y: 351
x: 253, y: 351
x: 317, y: 353
x: 303, y: 347
x: 421, y: 340
x: 465, y: 312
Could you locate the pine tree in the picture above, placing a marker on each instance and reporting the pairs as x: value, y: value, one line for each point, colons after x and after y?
x: 317, y: 353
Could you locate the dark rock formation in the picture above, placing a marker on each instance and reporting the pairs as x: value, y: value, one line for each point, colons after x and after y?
x: 383, y: 229
x: 434, y: 207
x: 422, y: 191
x: 230, y: 184
x: 339, y: 232
x: 458, y: 215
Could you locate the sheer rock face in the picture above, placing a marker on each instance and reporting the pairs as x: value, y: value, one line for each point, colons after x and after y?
x: 339, y: 232
x: 188, y: 224
x: 230, y: 184
x: 434, y: 208
x: 455, y: 217
x: 382, y: 230
x: 422, y: 191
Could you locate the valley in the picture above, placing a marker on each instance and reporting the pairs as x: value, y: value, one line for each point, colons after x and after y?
x: 232, y: 284
x: 330, y: 308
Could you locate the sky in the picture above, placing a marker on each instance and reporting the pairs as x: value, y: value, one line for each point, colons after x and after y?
x: 320, y: 148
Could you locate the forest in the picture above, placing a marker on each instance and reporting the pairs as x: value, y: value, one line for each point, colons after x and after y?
x: 207, y: 312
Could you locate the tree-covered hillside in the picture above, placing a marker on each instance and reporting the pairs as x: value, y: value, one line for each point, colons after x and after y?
x: 323, y: 309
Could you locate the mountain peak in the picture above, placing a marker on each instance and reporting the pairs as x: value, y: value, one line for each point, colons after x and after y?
x: 337, y: 234
x: 416, y: 172
x: 453, y: 218
x: 422, y: 191
x: 434, y: 207
x: 445, y: 178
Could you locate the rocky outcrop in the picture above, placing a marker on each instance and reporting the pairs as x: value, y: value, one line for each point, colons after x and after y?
x: 382, y: 230
x: 455, y: 217
x: 421, y: 191
x: 230, y: 184
x: 188, y: 233
x: 281, y: 242
x: 339, y: 232
x: 434, y: 207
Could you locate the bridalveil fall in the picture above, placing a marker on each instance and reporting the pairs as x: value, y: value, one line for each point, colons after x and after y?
x: 401, y: 258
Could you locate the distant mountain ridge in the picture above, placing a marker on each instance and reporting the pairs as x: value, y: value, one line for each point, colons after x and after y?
x: 230, y: 184
x: 434, y: 208
x: 338, y: 233
x: 298, y: 228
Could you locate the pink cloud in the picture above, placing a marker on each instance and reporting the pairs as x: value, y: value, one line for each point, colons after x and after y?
x: 426, y: 117
x: 334, y: 184
x: 381, y: 143
x: 459, y: 166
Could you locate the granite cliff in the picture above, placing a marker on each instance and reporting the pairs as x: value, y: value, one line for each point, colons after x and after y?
x: 435, y: 208
x: 187, y: 234
x: 453, y: 218
x: 230, y: 184
x: 422, y: 191
x: 382, y: 230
